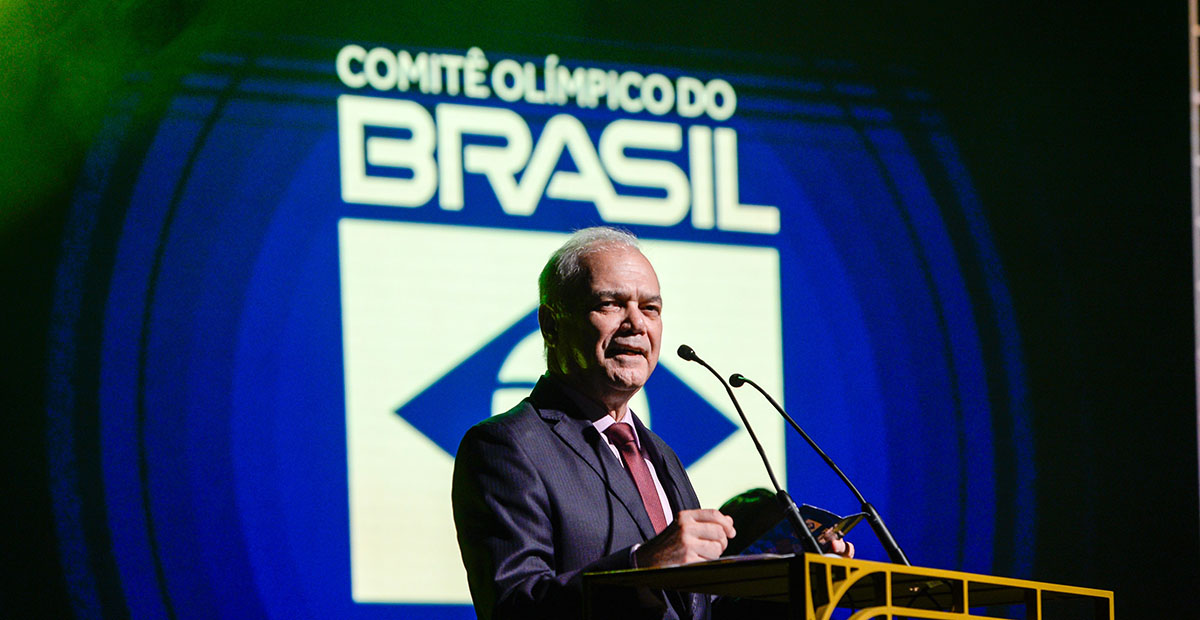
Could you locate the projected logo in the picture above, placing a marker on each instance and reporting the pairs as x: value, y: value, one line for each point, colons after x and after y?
x: 440, y: 331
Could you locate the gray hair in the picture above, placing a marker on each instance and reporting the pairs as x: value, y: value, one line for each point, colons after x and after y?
x: 564, y: 270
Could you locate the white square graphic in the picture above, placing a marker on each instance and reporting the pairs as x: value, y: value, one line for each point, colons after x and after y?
x: 419, y: 299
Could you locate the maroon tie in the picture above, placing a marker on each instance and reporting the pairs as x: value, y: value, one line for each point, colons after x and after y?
x: 622, y: 437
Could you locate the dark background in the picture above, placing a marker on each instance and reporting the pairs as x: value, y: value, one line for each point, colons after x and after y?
x: 1073, y: 121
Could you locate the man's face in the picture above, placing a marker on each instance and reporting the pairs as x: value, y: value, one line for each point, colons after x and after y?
x: 607, y: 341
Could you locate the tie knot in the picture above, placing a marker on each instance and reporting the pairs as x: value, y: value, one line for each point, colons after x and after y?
x: 622, y: 436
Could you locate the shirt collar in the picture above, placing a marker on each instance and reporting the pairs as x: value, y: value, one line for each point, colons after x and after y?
x: 594, y: 411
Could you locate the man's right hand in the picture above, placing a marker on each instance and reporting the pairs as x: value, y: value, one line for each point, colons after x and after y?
x: 694, y: 536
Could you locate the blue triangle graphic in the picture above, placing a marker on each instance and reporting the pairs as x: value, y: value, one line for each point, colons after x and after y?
x: 447, y: 408
x: 683, y: 418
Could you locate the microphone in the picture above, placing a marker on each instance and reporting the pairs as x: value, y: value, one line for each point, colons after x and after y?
x: 881, y: 531
x: 790, y: 510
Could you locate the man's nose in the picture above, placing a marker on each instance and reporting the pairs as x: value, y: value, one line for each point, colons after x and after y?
x: 635, y: 319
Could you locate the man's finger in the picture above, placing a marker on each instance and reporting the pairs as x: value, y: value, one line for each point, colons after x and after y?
x: 708, y: 550
x: 711, y: 515
x: 707, y: 531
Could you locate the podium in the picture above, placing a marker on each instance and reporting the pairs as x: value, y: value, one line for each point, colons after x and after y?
x: 814, y: 586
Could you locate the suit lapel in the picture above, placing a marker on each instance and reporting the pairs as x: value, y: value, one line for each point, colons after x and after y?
x: 584, y: 440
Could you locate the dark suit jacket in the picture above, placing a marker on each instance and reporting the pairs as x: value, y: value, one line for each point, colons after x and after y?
x: 539, y: 499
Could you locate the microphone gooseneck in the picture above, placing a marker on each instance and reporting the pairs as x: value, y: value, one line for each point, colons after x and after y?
x: 737, y: 380
x: 790, y: 510
x: 884, y: 535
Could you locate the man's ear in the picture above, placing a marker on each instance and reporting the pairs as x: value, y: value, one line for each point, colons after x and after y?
x: 547, y: 324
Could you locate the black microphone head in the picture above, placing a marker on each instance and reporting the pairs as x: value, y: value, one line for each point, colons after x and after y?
x: 686, y: 353
x: 737, y: 380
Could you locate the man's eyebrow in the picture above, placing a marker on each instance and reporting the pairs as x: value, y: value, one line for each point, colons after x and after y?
x: 615, y: 294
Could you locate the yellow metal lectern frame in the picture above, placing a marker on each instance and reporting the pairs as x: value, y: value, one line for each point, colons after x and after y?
x: 813, y: 586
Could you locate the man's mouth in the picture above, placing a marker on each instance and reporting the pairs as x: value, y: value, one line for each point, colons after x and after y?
x: 620, y: 350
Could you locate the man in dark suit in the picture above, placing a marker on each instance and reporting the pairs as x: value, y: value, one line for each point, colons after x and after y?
x: 570, y: 481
